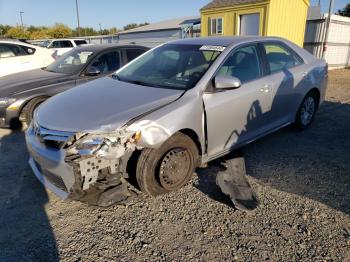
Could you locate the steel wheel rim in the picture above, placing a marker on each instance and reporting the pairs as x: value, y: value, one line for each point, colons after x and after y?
x: 174, y: 168
x: 307, y: 110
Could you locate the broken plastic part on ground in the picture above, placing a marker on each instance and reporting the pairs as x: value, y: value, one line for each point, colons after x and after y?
x: 233, y: 182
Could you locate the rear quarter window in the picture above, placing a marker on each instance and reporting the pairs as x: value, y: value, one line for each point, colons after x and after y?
x: 131, y: 54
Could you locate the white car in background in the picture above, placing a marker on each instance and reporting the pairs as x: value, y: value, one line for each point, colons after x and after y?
x: 16, y: 56
x: 63, y: 45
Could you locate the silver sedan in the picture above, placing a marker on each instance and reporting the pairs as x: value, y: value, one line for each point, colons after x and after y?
x: 172, y: 109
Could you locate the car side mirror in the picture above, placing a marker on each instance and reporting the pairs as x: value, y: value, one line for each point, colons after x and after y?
x: 92, y: 71
x: 227, y: 82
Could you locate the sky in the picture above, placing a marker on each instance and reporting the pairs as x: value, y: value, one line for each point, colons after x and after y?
x: 108, y: 13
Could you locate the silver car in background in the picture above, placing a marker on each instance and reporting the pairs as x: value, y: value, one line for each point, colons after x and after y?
x: 172, y: 109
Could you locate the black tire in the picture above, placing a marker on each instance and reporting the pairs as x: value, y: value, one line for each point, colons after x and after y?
x: 152, y: 163
x: 29, y: 108
x: 301, y: 123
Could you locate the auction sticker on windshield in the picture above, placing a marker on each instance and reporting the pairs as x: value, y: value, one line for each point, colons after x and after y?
x: 212, y: 48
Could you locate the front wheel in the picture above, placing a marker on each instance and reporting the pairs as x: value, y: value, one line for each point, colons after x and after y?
x: 307, y: 111
x: 28, y: 110
x: 167, y: 168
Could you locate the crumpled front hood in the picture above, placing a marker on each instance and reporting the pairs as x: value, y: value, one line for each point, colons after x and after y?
x: 101, y: 105
x: 19, y: 82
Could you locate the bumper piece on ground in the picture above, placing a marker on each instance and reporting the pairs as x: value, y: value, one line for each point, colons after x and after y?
x: 233, y: 182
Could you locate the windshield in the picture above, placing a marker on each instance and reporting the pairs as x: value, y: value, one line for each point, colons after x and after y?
x: 170, y: 66
x: 70, y: 63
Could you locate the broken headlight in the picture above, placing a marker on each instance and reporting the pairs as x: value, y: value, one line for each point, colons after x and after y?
x: 108, y: 146
x: 5, y: 101
x: 89, y: 146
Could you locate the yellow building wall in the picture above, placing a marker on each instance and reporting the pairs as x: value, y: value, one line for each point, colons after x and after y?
x: 284, y: 18
x: 287, y: 18
x: 230, y: 17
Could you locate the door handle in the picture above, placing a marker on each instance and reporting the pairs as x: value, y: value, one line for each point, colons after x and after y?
x: 266, y: 88
x: 304, y: 74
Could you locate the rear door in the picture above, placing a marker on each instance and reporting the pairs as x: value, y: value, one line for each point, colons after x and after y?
x: 238, y: 115
x: 287, y: 75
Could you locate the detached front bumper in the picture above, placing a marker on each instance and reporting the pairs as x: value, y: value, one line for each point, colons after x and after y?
x: 93, y: 180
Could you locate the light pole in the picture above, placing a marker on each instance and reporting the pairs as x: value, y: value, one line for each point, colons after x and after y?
x: 20, y: 14
x: 331, y: 3
x: 76, y: 4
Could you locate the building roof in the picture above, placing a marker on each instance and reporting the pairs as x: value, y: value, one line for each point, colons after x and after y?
x: 224, y: 3
x: 165, y: 25
x: 102, y: 47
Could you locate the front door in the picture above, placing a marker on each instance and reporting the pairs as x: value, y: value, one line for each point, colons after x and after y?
x: 238, y: 115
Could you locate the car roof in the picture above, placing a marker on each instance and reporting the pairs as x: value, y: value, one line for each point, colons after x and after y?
x: 97, y: 48
x: 65, y: 39
x: 222, y: 40
x: 17, y: 42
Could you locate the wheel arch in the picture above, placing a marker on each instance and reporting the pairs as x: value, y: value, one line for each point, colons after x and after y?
x: 317, y: 92
x: 27, y: 100
x: 195, y: 138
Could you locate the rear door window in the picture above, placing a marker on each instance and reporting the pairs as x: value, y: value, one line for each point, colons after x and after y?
x: 280, y: 57
x: 11, y: 50
x: 62, y: 44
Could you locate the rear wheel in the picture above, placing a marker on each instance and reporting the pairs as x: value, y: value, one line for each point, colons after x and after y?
x: 307, y: 111
x: 167, y: 168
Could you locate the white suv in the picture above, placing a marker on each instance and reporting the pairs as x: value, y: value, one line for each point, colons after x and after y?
x: 16, y: 56
x: 64, y: 45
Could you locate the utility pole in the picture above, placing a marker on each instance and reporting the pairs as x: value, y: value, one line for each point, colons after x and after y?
x: 76, y: 4
x: 20, y: 14
x: 331, y: 3
x: 100, y: 29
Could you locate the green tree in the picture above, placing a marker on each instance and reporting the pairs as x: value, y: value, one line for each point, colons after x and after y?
x: 39, y: 34
x: 113, y: 31
x: 59, y: 31
x: 345, y: 11
x: 134, y: 25
x: 17, y: 32
x: 4, y: 29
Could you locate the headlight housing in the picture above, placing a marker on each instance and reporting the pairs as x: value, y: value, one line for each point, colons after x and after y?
x: 108, y: 146
x: 6, y: 101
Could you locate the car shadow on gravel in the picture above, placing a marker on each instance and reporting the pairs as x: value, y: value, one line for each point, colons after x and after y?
x: 313, y: 164
x: 25, y: 231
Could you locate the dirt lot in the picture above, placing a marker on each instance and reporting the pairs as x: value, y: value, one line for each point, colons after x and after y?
x: 301, y: 179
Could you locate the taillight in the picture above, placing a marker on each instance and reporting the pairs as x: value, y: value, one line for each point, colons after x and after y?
x: 54, y: 55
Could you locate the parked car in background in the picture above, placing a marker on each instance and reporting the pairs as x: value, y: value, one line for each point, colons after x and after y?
x: 179, y: 105
x: 17, y: 56
x: 21, y: 93
x: 63, y: 45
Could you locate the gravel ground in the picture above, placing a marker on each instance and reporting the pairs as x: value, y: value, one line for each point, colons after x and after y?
x: 301, y: 179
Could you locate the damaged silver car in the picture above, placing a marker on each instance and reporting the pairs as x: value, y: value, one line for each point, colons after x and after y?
x: 174, y: 108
